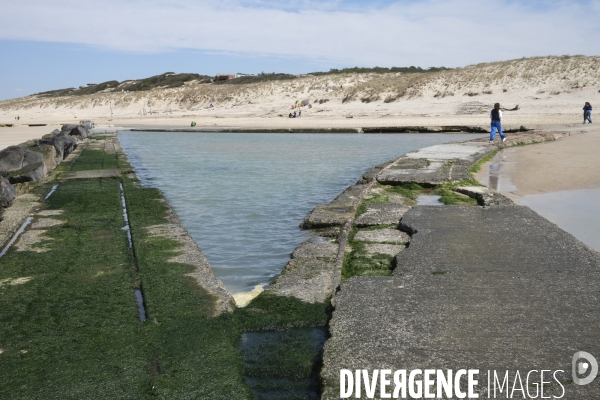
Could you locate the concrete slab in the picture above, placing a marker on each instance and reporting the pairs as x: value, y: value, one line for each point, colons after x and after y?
x: 485, y: 197
x: 497, y: 288
x: 380, y: 248
x: 452, y: 151
x: 435, y: 165
x: 338, y: 211
x: 391, y: 236
x: 310, y: 274
x: 381, y: 214
x: 316, y: 248
x: 307, y: 279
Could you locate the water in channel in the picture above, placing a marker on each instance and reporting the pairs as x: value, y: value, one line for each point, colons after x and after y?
x: 241, y: 196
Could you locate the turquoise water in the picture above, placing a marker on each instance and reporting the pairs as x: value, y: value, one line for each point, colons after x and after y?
x: 242, y: 196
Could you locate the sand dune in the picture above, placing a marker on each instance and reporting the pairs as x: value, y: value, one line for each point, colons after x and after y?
x: 549, y: 90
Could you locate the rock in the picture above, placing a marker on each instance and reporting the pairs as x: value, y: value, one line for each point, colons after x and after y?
x: 75, y: 130
x: 63, y: 143
x: 19, y: 165
x: 80, y: 131
x: 48, y: 153
x: 51, y: 134
x: 68, y: 127
x: 392, y: 236
x: 7, y: 192
x: 380, y: 214
x: 27, y: 144
x: 88, y: 125
x: 11, y: 159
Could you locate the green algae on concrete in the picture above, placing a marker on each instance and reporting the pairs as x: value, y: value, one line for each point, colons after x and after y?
x: 69, y: 325
x: 71, y: 329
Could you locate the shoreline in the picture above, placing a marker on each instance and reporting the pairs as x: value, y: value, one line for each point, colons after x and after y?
x: 572, y: 164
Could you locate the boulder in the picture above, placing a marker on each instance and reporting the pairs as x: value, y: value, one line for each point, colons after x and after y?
x: 7, y: 192
x: 11, y: 159
x: 19, y: 164
x: 51, y: 134
x: 48, y: 153
x: 27, y: 144
x: 80, y: 131
x: 75, y: 130
x: 68, y: 127
x: 88, y: 125
x: 63, y: 143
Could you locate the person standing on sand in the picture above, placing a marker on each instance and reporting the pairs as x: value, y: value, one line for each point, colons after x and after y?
x: 496, y: 117
x: 587, y: 112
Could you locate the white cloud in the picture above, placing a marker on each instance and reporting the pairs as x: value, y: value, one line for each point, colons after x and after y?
x: 429, y: 32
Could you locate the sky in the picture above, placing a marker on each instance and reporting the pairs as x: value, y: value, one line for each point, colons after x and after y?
x: 54, y: 44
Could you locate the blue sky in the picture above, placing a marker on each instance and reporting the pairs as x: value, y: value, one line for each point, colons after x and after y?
x: 53, y: 44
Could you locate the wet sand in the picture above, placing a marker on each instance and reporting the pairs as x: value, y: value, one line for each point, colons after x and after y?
x: 567, y: 164
x: 559, y: 180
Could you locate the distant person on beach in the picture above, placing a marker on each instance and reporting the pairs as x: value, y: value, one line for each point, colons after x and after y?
x: 496, y: 117
x: 587, y: 112
x: 290, y: 115
x: 299, y: 113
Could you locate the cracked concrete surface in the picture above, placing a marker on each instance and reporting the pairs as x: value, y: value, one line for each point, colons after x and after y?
x: 381, y: 214
x: 497, y: 288
x: 308, y: 275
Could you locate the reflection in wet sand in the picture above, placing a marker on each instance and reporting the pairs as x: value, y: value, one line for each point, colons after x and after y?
x: 498, y: 177
x: 575, y: 211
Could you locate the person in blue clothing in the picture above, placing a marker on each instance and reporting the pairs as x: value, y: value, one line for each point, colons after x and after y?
x: 496, y: 117
x: 587, y: 112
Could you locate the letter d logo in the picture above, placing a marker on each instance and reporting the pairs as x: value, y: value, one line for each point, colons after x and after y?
x: 579, y: 368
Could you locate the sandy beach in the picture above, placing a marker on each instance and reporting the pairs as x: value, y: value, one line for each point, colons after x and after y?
x: 548, y: 91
